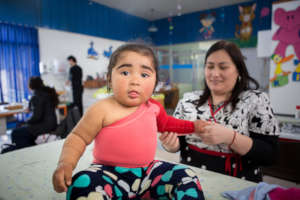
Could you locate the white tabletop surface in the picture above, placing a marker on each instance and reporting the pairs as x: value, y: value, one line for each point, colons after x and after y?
x: 26, y: 174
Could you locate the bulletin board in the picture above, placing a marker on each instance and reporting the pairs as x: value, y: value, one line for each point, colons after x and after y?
x: 284, y: 80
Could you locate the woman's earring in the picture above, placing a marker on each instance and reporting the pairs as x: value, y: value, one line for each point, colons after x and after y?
x: 239, y: 78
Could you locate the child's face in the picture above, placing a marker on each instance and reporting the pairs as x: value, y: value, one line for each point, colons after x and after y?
x: 133, y: 79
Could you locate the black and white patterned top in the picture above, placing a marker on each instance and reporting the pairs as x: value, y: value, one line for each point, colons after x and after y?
x: 252, y: 113
x: 253, y: 117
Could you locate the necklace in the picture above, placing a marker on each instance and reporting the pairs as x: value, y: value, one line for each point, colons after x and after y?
x: 212, y: 112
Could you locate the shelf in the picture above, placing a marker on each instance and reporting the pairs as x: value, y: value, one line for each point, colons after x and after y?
x: 284, y: 119
x: 94, y: 83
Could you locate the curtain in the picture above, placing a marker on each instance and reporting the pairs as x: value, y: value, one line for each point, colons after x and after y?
x: 19, y: 60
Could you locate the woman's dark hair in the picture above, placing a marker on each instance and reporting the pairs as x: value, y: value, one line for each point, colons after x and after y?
x: 243, y: 82
x: 72, y: 58
x: 36, y: 84
x: 137, y: 48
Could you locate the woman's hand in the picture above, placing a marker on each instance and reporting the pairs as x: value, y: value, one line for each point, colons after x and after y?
x: 214, y: 133
x: 62, y: 177
x: 170, y: 141
x: 199, y: 125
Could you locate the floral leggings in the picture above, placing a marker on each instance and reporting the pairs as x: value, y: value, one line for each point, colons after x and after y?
x: 160, y: 180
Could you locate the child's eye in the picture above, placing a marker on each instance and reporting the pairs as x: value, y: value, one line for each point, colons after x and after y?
x: 144, y: 75
x: 125, y: 73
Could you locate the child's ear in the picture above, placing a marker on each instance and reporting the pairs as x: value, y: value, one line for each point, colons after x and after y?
x: 108, y: 81
x: 109, y: 85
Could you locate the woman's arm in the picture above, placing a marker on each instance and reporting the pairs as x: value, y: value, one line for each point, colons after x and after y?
x: 218, y: 134
x: 37, y: 103
x: 239, y: 143
x: 264, y: 150
x: 264, y: 131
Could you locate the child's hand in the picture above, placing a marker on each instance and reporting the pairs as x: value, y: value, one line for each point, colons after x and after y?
x: 62, y: 177
x: 170, y: 141
x: 199, y: 125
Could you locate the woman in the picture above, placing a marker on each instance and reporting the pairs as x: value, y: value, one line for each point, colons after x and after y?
x: 242, y: 133
x: 43, y: 120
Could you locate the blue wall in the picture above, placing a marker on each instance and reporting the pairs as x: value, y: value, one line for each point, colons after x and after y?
x: 101, y: 21
x: 75, y: 16
x: 186, y: 27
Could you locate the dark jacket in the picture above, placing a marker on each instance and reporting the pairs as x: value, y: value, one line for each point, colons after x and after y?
x: 76, y: 77
x: 43, y: 119
x: 66, y: 125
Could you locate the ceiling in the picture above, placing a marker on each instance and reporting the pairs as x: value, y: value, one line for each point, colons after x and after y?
x: 158, y: 9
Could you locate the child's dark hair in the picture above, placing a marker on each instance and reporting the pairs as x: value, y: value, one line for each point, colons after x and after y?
x: 137, y: 48
x: 36, y: 84
x: 72, y: 58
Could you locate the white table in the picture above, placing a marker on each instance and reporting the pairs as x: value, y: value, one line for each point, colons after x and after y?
x: 27, y: 174
x: 4, y: 113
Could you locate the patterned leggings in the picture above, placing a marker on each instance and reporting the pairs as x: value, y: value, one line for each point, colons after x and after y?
x: 160, y: 180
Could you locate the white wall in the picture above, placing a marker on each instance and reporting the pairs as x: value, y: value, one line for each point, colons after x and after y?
x: 257, y: 67
x: 56, y: 46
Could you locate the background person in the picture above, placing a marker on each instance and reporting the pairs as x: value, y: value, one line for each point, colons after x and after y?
x: 43, y: 120
x: 75, y: 77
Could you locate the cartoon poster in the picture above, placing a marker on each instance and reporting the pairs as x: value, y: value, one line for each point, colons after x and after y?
x: 244, y: 36
x: 107, y: 53
x: 285, y: 60
x: 92, y: 53
x: 207, y: 28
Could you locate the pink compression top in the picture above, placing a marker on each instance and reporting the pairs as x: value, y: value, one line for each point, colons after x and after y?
x: 131, y: 141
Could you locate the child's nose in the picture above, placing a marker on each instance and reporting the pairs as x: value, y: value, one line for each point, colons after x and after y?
x: 135, y: 79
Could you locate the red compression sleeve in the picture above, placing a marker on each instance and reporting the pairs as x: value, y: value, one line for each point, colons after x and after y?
x: 171, y: 124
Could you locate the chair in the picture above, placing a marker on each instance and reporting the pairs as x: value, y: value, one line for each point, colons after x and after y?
x: 63, y: 129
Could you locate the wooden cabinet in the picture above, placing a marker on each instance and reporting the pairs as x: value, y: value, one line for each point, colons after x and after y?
x: 94, y: 83
x: 288, y: 163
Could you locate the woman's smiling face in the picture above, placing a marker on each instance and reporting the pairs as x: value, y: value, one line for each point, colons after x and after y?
x: 220, y: 73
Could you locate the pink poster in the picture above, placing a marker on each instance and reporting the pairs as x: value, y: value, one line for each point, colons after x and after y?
x: 284, y: 77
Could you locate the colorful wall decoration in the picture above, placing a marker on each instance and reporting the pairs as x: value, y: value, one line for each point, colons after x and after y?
x: 284, y: 79
x: 244, y: 31
x: 107, y: 53
x: 92, y: 53
x: 288, y: 32
x: 280, y: 77
x: 207, y: 21
x: 105, y: 22
x: 296, y: 73
x: 238, y: 23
